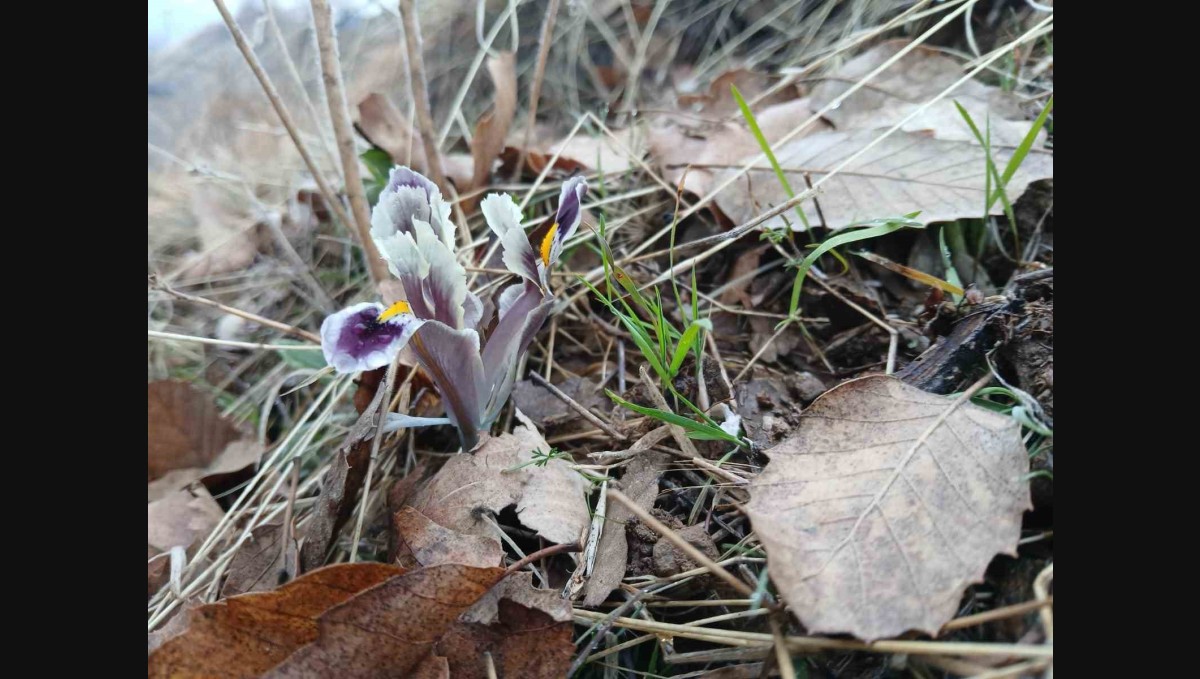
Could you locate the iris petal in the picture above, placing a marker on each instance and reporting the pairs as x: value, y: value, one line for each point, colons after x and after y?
x: 354, y: 339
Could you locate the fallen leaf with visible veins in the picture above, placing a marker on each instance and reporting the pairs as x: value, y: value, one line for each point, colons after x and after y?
x: 246, y: 635
x: 886, y: 504
x: 390, y: 629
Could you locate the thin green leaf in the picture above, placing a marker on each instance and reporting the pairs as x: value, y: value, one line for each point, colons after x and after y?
x: 695, y: 430
x: 686, y: 342
x: 1026, y: 144
x: 872, y: 229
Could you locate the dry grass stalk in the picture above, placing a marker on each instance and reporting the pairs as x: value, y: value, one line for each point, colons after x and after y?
x: 420, y: 92
x: 284, y: 116
x: 339, y: 115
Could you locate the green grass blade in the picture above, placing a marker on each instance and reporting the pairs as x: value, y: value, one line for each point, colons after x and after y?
x: 686, y: 342
x: 884, y: 227
x: 695, y: 430
x: 1018, y: 156
x: 766, y: 149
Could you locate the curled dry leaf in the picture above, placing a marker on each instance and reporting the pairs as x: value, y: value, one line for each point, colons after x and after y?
x: 421, y: 542
x: 246, y: 635
x: 549, y: 499
x: 187, y: 439
x: 886, y: 504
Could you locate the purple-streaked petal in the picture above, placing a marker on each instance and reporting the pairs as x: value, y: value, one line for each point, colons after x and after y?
x: 472, y: 311
x: 570, y: 213
x: 408, y: 197
x: 451, y: 358
x: 353, y: 340
x: 523, y: 310
x: 445, y: 281
x: 504, y: 218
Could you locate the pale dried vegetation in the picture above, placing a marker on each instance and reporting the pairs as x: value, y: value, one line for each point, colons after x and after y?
x: 866, y: 525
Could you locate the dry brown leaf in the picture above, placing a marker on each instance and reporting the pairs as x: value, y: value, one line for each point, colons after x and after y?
x: 917, y: 77
x: 718, y: 101
x: 524, y: 642
x: 421, y: 542
x: 386, y: 127
x: 905, y: 172
x: 392, y: 628
x: 185, y: 428
x: 340, y: 486
x: 886, y: 504
x: 582, y: 153
x: 640, y: 484
x: 181, y: 518
x: 492, y: 128
x: 518, y: 587
x: 549, y: 500
x: 246, y: 635
x: 682, y: 142
x: 932, y: 164
x: 383, y: 125
x: 260, y: 564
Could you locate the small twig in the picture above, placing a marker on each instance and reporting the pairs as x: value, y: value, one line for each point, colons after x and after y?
x: 578, y: 407
x: 159, y: 284
x: 339, y: 115
x: 684, y: 546
x: 541, y: 554
x: 420, y: 92
x: 782, y: 657
x: 299, y: 81
x: 284, y: 116
x: 535, y: 87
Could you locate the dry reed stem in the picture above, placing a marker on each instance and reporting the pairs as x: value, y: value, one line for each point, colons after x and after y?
x: 285, y: 117
x: 535, y: 87
x: 809, y: 644
x: 339, y: 116
x: 420, y: 92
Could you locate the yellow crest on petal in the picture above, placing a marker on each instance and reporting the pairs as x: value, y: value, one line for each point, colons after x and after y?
x: 547, y: 242
x: 396, y: 309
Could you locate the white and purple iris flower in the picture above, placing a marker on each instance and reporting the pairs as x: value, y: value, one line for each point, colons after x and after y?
x: 440, y: 319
